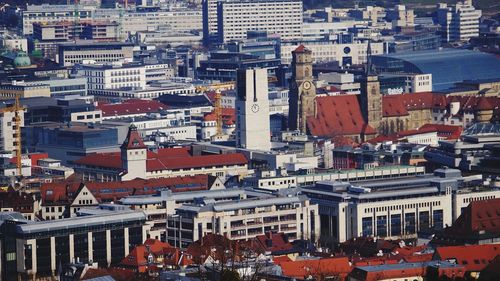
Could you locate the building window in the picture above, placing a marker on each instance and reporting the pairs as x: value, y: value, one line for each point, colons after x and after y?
x: 382, y: 226
x: 437, y: 219
x: 410, y: 223
x: 367, y: 226
x: 395, y: 225
x: 423, y: 220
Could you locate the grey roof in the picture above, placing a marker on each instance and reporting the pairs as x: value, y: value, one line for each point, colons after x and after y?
x: 252, y: 203
x: 181, y: 196
x: 84, y: 221
x: 400, y: 266
x: 449, y: 66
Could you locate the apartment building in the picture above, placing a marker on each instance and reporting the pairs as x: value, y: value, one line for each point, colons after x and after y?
x: 244, y: 219
x: 103, y: 235
x: 396, y: 208
x: 459, y: 22
x: 115, y: 76
x: 282, y: 17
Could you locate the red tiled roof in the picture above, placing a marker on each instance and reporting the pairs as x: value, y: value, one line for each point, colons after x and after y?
x: 398, y: 105
x: 338, y: 115
x: 336, y: 266
x: 272, y: 242
x: 130, y: 107
x: 473, y: 257
x: 165, y: 159
x: 228, y: 115
x: 449, y: 132
x: 64, y: 192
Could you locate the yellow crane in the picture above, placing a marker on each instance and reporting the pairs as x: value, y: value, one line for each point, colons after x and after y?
x: 16, y: 108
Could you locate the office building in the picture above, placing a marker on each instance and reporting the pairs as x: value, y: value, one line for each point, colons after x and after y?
x: 210, y: 29
x: 236, y: 18
x: 116, y: 76
x: 252, y: 110
x: 245, y: 219
x: 459, y: 22
x: 394, y: 209
x: 24, y: 90
x: 327, y: 51
x: 38, y: 249
x: 73, y: 140
x: 70, y: 54
x: 479, y: 65
x: 47, y: 13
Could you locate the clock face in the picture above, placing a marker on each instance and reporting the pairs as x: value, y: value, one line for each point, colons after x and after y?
x: 307, y: 85
x: 255, y: 108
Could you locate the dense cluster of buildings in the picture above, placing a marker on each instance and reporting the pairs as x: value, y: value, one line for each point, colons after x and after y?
x: 238, y: 139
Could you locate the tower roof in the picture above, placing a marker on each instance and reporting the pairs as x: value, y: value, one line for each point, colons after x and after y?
x: 301, y: 49
x: 133, y: 139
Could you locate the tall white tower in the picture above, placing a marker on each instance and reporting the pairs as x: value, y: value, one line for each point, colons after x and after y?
x: 252, y: 109
x: 134, y: 155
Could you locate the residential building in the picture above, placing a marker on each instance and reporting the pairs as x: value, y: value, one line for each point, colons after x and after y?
x: 459, y: 22
x: 38, y: 248
x: 9, y: 129
x: 235, y: 18
x: 245, y: 219
x: 475, y: 225
x: 252, y: 110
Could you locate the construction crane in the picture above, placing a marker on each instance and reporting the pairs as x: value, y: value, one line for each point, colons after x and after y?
x: 16, y: 108
x: 218, y: 112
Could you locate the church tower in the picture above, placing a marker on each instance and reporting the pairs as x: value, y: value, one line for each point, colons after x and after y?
x: 134, y: 155
x: 302, y: 90
x: 371, y: 98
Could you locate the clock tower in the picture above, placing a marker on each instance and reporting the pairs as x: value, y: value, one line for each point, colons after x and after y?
x: 252, y: 110
x: 302, y: 90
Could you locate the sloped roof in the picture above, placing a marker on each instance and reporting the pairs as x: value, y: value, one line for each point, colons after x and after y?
x: 165, y: 159
x: 336, y: 266
x: 133, y: 139
x: 472, y: 257
x: 399, y: 105
x: 338, y: 115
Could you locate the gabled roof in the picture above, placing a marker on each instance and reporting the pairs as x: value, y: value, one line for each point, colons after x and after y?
x: 473, y: 257
x: 338, y: 115
x: 275, y: 243
x: 65, y: 192
x: 301, y: 49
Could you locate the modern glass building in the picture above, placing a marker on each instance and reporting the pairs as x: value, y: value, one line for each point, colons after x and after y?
x: 447, y: 66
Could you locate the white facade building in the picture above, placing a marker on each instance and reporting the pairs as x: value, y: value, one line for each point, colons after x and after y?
x: 283, y: 17
x: 100, y: 77
x: 325, y: 51
x: 252, y: 110
x: 245, y: 219
x: 459, y: 22
x: 8, y: 129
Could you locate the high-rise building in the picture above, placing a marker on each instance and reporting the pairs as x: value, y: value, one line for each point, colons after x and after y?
x: 252, y: 109
x: 302, y: 90
x: 209, y: 12
x: 459, y: 22
x: 236, y: 18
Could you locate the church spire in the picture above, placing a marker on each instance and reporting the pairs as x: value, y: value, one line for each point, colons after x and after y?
x: 370, y: 70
